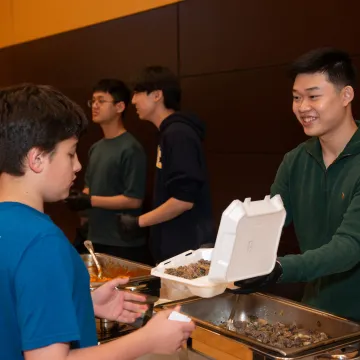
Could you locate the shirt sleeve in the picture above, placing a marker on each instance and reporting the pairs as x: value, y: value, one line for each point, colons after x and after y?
x: 44, y: 283
x: 281, y: 187
x: 185, y: 168
x: 341, y: 254
x: 134, y: 174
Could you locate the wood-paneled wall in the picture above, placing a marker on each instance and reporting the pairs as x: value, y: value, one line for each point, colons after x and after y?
x: 232, y: 58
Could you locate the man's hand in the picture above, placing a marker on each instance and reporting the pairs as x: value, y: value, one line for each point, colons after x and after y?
x: 166, y: 336
x: 258, y: 283
x: 112, y: 304
x: 128, y: 223
x: 78, y: 201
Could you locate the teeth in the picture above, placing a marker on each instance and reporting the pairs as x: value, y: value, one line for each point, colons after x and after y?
x: 309, y: 119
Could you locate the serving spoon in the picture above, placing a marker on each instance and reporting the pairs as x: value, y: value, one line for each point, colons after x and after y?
x: 88, y: 244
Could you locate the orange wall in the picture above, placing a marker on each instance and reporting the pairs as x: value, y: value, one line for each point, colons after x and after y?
x: 24, y: 20
x: 6, y: 22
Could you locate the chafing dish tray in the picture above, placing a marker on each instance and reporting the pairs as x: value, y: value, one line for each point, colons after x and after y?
x: 113, y: 266
x: 212, y: 312
x: 140, y: 281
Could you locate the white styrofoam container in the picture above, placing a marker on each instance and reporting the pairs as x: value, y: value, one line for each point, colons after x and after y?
x: 248, y: 239
x: 201, y: 286
x: 246, y: 246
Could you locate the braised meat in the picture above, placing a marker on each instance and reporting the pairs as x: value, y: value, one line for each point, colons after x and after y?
x: 192, y: 271
x: 277, y: 335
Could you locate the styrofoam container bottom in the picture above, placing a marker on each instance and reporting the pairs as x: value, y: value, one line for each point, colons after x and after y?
x: 174, y: 291
x: 180, y: 288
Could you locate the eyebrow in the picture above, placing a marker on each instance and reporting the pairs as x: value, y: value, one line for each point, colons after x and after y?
x: 309, y: 89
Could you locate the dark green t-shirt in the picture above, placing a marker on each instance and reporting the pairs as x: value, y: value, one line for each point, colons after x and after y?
x: 116, y: 167
x: 324, y: 205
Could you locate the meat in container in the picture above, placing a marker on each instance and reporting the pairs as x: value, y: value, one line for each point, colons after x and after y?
x: 246, y: 246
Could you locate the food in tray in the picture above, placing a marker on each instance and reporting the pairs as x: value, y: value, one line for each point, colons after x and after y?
x: 277, y: 335
x: 191, y: 271
x: 95, y: 278
x: 113, y: 272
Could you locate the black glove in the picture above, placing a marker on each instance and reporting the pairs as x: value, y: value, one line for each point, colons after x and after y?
x: 258, y: 283
x: 78, y: 201
x: 128, y: 223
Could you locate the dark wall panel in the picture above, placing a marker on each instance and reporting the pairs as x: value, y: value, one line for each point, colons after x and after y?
x: 245, y: 111
x: 6, y: 67
x: 225, y: 35
x: 238, y: 176
x: 117, y: 48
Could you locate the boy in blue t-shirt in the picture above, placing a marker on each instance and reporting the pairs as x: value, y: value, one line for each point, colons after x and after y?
x: 46, y: 308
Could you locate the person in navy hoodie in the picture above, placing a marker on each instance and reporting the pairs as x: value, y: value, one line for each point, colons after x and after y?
x: 182, y: 216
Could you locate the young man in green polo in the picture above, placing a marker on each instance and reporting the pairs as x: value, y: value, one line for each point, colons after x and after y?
x: 319, y: 182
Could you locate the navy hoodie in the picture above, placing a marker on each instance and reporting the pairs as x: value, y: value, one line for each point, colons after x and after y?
x: 181, y: 173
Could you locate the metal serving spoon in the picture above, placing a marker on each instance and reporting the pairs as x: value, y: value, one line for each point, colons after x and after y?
x: 88, y: 244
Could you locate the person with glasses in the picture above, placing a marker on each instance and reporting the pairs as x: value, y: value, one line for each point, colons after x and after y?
x: 115, y: 177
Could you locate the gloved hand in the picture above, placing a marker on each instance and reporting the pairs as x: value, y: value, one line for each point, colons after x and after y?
x: 78, y: 201
x: 256, y: 284
x: 128, y: 223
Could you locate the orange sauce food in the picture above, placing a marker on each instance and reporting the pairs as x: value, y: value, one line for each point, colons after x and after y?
x: 95, y: 278
x: 115, y: 272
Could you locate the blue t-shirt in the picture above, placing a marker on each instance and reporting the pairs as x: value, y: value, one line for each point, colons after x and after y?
x: 45, y: 297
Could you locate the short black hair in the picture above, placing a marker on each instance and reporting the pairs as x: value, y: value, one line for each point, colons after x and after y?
x: 335, y: 64
x: 154, y: 78
x: 116, y: 88
x: 35, y: 116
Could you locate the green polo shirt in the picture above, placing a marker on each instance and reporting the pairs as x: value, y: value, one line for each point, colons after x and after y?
x: 324, y: 205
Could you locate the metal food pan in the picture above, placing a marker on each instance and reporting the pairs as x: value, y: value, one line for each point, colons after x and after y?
x: 111, y: 265
x: 210, y: 313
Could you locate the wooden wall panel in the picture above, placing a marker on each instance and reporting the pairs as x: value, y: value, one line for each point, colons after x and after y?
x: 225, y: 35
x: 239, y: 175
x: 245, y: 111
x: 117, y: 48
x: 6, y: 67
